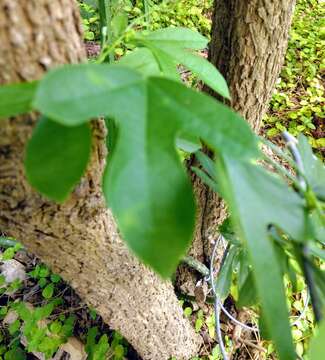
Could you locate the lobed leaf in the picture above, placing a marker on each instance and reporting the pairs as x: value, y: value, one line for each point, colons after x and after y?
x: 145, y: 183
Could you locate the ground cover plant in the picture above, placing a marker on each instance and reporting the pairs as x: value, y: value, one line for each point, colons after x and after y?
x: 297, y: 104
x: 148, y: 74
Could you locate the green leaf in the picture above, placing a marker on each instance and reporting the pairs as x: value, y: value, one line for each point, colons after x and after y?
x: 55, y: 327
x: 15, y: 354
x: 43, y: 311
x: 14, y: 327
x: 167, y: 65
x: 86, y: 91
x: 57, y: 157
x: 91, y: 341
x: 142, y: 60
x: 119, y: 351
x: 119, y: 23
x: 317, y: 224
x: 316, y: 251
x: 48, y: 291
x: 188, y: 311
x: 206, y: 179
x: 224, y: 277
x: 316, y: 350
x: 199, y: 66
x: 102, y: 348
x: 16, y: 99
x: 145, y: 183
x: 247, y: 292
x: 55, y: 278
x: 200, y: 115
x: 42, y: 282
x: 257, y: 199
x: 207, y: 164
x: 314, y: 169
x: 188, y: 144
x: 181, y: 37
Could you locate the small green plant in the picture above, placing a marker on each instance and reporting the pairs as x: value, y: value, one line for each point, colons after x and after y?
x: 90, y: 19
x: 297, y: 103
x: 96, y: 350
x: 49, y: 322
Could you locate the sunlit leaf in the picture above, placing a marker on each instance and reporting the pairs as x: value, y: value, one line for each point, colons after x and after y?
x: 182, y: 37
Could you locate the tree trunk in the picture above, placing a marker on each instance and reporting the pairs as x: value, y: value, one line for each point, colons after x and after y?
x: 78, y: 239
x: 249, y: 40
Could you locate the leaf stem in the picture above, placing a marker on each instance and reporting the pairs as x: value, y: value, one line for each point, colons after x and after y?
x: 196, y: 265
x: 314, y: 297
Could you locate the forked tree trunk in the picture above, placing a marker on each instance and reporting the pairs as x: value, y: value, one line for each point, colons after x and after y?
x: 78, y: 239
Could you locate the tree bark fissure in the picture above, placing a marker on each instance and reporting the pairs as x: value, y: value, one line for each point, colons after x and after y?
x: 78, y: 239
x: 249, y: 40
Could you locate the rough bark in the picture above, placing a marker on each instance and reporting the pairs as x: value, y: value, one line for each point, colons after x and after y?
x: 249, y: 40
x: 78, y: 239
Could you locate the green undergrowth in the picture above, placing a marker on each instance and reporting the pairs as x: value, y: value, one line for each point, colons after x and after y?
x: 193, y: 14
x: 52, y: 313
x: 298, y: 101
x: 41, y: 313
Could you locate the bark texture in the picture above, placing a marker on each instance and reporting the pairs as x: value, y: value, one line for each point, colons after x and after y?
x: 78, y: 239
x: 249, y: 40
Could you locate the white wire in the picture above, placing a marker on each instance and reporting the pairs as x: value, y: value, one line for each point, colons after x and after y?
x: 295, y: 322
x: 232, y: 318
